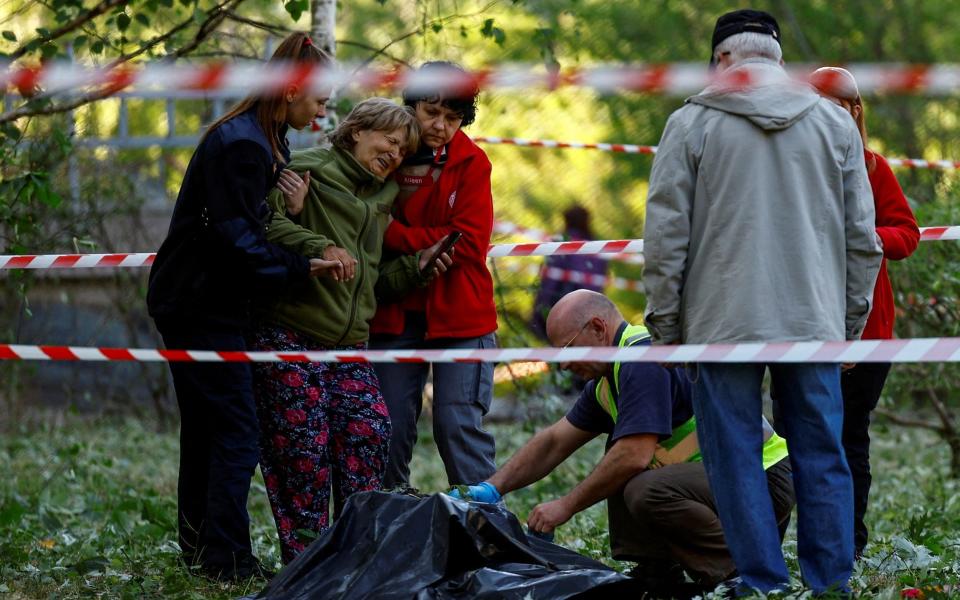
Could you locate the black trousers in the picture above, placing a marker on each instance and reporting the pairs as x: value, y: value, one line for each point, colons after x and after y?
x: 670, y: 514
x: 219, y: 447
x: 861, y: 388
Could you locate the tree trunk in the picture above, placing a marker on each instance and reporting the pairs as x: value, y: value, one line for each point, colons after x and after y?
x: 323, y: 25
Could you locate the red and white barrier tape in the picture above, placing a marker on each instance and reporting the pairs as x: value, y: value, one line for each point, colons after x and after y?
x: 606, y: 147
x: 242, y: 78
x: 76, y: 261
x: 913, y: 350
x: 909, y: 163
x: 566, y: 248
x: 616, y: 247
x: 508, y: 228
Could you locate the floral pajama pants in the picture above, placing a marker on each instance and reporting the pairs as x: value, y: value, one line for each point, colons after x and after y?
x: 323, y: 427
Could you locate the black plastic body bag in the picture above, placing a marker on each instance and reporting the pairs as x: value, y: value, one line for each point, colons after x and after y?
x: 393, y: 546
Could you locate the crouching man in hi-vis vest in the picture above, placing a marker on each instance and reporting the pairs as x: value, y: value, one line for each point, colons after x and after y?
x: 662, y: 513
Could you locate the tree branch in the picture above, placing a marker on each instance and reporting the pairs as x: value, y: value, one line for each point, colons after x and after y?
x: 907, y: 421
x: 73, y: 25
x: 949, y: 428
x: 213, y: 20
x: 430, y: 23
x: 178, y: 28
x: 268, y: 27
x: 208, y: 26
x: 376, y: 51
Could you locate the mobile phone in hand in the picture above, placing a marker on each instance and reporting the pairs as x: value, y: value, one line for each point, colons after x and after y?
x: 446, y: 246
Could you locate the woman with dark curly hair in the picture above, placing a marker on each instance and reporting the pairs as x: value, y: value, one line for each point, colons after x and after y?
x: 444, y: 188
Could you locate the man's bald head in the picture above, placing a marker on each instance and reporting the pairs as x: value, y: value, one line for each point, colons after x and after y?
x: 573, y: 311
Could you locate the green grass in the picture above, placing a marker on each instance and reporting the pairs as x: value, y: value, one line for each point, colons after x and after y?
x: 88, y: 510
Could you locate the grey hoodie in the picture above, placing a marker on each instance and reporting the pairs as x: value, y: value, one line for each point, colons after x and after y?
x: 760, y: 218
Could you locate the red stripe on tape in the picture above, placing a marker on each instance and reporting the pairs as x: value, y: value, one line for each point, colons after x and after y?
x: 111, y: 260
x: 117, y: 354
x: 942, y: 350
x: 351, y: 358
x: 616, y: 246
x: 716, y: 352
x: 828, y: 352
x: 524, y: 249
x: 888, y: 350
x: 208, y: 78
x: 67, y: 260
x: 293, y: 357
x: 7, y: 353
x: 932, y: 233
x: 234, y: 356
x: 19, y: 262
x: 58, y: 352
x: 176, y: 355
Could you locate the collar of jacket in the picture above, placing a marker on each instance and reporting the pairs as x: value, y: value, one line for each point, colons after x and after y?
x: 461, y: 148
x: 769, y: 71
x: 353, y: 173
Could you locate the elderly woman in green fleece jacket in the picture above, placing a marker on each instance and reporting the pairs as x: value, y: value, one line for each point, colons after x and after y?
x: 324, y: 426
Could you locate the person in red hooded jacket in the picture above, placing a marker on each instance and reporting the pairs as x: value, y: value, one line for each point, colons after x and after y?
x: 444, y: 188
x: 898, y: 234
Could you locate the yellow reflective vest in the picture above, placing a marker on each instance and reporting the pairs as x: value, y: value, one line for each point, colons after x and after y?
x: 682, y: 445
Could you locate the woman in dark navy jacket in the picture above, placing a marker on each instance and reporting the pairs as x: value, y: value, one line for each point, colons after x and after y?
x: 212, y: 266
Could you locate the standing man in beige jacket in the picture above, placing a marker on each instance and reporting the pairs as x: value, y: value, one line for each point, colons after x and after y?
x: 759, y: 228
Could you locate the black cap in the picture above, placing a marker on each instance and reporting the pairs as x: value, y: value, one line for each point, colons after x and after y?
x: 740, y: 21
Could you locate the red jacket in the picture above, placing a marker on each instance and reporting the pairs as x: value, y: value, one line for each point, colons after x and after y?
x: 459, y: 303
x: 897, y: 228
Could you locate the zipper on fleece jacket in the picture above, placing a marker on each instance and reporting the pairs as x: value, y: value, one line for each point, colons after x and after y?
x: 359, y: 278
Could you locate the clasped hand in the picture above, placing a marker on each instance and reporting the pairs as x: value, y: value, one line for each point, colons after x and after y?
x: 336, y: 262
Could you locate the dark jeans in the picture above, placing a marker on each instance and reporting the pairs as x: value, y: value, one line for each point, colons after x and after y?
x: 671, y: 513
x: 462, y: 393
x: 861, y: 388
x: 218, y: 447
x: 728, y: 405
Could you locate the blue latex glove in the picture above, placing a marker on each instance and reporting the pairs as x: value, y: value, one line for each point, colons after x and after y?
x: 481, y: 492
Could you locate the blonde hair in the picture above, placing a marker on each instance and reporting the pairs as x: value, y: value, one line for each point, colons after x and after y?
x: 378, y: 114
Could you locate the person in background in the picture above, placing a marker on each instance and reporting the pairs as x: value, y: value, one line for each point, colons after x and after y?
x: 899, y: 235
x: 444, y: 188
x: 557, y: 271
x: 213, y: 264
x: 324, y: 426
x: 760, y: 228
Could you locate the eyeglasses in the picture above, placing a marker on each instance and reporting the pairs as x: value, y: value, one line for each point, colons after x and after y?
x: 567, y: 345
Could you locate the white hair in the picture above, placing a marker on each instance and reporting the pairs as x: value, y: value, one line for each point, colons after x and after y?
x: 749, y: 44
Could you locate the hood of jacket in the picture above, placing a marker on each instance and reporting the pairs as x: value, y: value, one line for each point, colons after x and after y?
x: 776, y: 103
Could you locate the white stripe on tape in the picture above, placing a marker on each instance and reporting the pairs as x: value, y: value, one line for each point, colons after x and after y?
x: 915, y: 350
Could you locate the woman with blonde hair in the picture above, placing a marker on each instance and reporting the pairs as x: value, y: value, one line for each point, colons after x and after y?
x: 214, y: 263
x: 898, y: 234
x: 324, y: 426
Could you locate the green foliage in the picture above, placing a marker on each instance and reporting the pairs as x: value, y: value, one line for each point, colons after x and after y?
x: 296, y: 8
x: 90, y: 509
